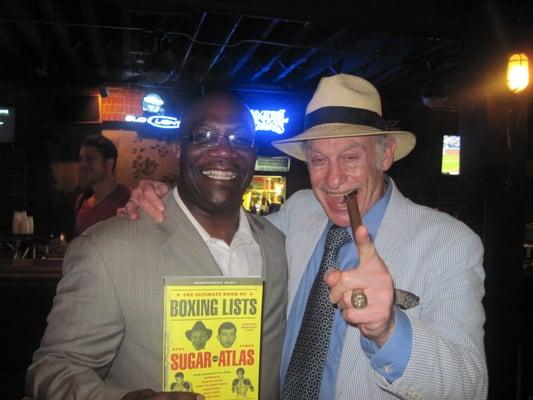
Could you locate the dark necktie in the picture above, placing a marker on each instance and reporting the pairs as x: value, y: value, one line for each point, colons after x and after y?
x: 304, y: 374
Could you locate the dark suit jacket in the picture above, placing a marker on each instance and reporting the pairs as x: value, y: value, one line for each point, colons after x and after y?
x: 104, y: 334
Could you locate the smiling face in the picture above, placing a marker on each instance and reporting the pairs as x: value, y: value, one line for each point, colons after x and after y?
x: 92, y: 167
x: 213, y: 178
x: 340, y: 165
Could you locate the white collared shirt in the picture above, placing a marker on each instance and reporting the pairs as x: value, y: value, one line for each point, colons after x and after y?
x: 242, y: 257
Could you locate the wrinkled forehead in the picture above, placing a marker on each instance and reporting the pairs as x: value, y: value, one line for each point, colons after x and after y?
x: 220, y: 110
x: 339, y: 144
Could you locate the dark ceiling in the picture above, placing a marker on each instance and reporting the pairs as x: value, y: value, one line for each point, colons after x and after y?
x: 278, y: 45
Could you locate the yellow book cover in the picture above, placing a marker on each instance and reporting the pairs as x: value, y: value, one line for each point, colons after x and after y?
x: 212, y: 336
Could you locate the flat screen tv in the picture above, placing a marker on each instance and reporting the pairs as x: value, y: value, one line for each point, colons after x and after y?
x: 451, y: 155
x: 7, y: 124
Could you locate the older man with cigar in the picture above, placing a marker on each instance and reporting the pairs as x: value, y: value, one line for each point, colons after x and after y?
x: 351, y: 332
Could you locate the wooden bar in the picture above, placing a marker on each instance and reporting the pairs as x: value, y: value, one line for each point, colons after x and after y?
x: 30, y: 270
x: 27, y: 289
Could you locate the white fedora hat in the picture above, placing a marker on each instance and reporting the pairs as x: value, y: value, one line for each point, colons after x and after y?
x: 342, y: 106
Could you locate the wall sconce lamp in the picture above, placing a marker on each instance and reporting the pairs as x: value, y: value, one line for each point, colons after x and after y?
x: 517, y: 72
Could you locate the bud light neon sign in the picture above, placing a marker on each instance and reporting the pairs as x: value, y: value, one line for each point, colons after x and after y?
x: 265, y: 120
x: 163, y: 122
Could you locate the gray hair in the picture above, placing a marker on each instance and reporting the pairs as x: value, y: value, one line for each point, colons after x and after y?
x: 381, y: 144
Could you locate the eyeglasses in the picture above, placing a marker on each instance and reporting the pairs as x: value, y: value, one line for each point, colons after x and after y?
x: 211, y: 138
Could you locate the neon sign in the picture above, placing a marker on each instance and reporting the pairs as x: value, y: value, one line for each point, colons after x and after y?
x: 133, y: 118
x: 153, y: 103
x: 265, y: 120
x: 270, y: 120
x: 163, y: 122
x: 158, y: 121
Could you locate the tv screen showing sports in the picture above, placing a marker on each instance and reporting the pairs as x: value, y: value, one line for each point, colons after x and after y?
x: 7, y: 124
x: 451, y: 155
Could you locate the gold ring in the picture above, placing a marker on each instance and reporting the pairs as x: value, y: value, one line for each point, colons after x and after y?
x: 359, y: 299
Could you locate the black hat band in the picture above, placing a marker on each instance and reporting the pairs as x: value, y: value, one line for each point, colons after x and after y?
x: 344, y: 115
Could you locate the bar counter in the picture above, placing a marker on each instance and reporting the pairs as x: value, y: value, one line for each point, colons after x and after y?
x: 27, y: 289
x: 48, y: 269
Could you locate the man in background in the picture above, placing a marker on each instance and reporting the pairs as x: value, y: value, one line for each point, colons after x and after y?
x: 102, y: 194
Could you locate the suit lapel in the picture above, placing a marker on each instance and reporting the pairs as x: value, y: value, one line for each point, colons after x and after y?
x: 391, y: 235
x: 184, y: 244
x: 304, y: 240
x: 257, y: 229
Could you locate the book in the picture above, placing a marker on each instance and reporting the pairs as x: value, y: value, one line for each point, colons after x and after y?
x: 212, y: 336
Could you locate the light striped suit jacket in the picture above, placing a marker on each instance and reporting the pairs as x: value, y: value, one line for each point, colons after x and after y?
x: 432, y: 255
x: 104, y: 334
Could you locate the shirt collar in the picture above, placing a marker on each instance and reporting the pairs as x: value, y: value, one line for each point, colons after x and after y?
x: 242, y: 236
x: 372, y: 219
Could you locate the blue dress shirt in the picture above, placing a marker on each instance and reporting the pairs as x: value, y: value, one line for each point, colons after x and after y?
x: 391, y: 360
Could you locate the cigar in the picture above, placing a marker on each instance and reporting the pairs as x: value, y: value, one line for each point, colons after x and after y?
x: 353, y: 209
x: 402, y: 298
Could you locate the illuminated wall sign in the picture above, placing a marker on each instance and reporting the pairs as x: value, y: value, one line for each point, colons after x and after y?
x: 133, y: 118
x: 273, y: 164
x: 265, y: 120
x: 158, y: 121
x: 152, y: 103
x: 270, y: 120
x: 163, y: 122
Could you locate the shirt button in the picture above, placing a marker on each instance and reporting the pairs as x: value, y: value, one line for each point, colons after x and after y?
x: 387, y: 369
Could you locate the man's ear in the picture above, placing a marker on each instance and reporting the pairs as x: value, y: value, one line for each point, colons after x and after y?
x: 110, y: 165
x: 388, y: 154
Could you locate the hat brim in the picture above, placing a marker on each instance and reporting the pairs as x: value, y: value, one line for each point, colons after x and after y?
x: 405, y: 141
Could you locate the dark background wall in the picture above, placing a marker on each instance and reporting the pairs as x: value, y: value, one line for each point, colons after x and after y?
x: 40, y: 167
x: 492, y: 195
